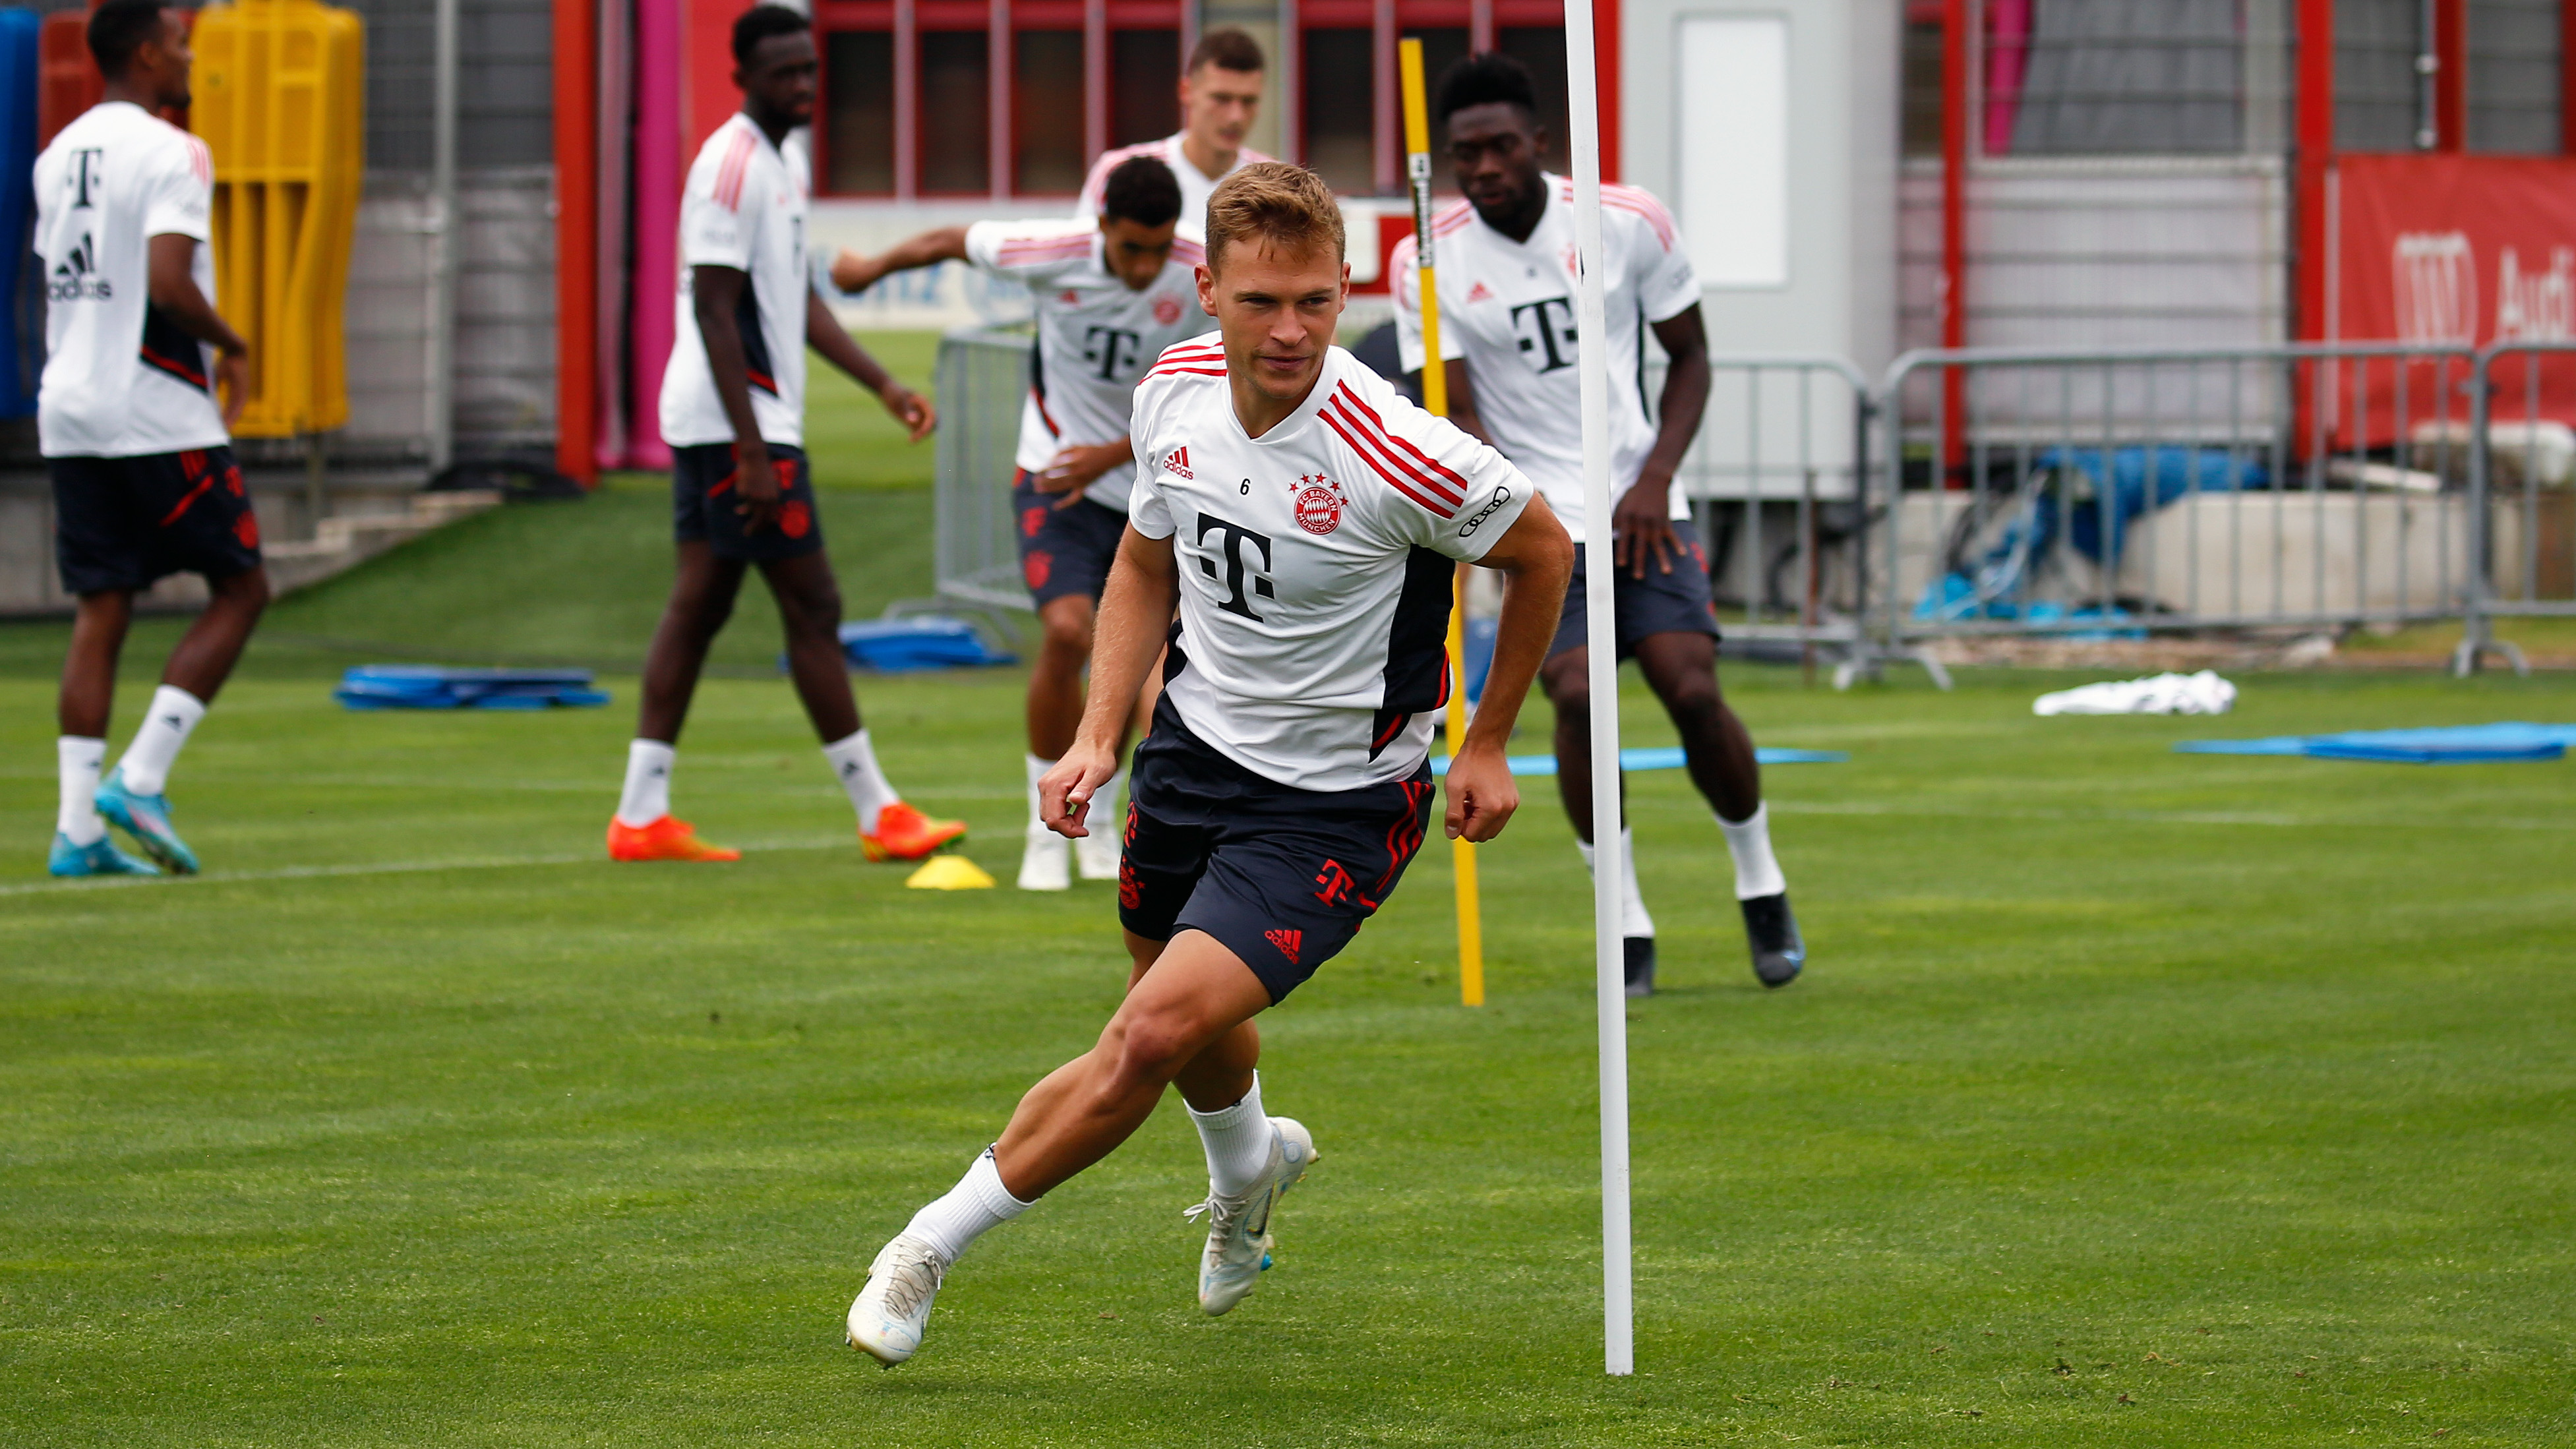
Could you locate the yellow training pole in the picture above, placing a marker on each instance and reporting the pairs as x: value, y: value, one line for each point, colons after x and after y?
x: 1435, y: 396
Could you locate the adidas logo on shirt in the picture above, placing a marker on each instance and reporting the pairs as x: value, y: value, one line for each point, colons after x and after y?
x: 1480, y: 293
x: 1178, y: 461
x: 76, y: 280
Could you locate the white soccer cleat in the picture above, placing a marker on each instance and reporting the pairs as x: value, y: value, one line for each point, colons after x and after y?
x: 1096, y: 854
x: 887, y: 1319
x: 1046, y: 861
x: 1238, y: 1240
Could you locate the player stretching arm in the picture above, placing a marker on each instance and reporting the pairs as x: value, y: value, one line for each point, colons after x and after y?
x: 1506, y: 256
x: 733, y: 411
x: 1305, y: 546
x: 1110, y: 294
x: 143, y: 473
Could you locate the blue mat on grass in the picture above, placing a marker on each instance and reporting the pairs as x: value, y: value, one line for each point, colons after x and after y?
x: 1668, y: 757
x: 427, y: 686
x: 2452, y: 745
x: 913, y: 642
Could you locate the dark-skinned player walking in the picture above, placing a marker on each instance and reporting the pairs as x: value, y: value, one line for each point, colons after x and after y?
x: 1506, y: 277
x: 127, y: 417
x: 733, y: 402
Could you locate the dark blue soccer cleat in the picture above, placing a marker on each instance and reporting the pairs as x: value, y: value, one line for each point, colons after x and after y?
x: 99, y: 857
x: 147, y: 819
x: 1639, y: 954
x: 1779, y: 953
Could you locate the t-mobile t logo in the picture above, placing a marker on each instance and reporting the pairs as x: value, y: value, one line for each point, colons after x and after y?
x: 1234, y: 537
x: 1547, y: 344
x: 1115, y: 351
x: 85, y: 174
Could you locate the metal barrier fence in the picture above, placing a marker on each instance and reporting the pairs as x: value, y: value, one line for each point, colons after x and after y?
x: 1985, y: 493
x: 2522, y: 474
x: 1786, y: 441
x: 980, y: 380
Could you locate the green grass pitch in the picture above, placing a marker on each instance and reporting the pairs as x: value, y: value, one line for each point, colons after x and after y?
x: 2132, y: 1099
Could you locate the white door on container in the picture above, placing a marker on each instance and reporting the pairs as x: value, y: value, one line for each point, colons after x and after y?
x: 1732, y: 77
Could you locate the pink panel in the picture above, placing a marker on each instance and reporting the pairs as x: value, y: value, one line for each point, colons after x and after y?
x: 659, y: 170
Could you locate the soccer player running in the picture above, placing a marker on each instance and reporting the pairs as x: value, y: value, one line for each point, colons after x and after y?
x: 1110, y: 294
x: 144, y: 480
x: 1220, y: 95
x: 1506, y: 277
x: 733, y: 411
x: 1301, y: 521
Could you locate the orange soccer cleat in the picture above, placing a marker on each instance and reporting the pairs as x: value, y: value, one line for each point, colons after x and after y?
x: 904, y: 833
x: 664, y: 839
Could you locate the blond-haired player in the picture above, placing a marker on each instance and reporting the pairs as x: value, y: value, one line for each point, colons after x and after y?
x: 1301, y: 521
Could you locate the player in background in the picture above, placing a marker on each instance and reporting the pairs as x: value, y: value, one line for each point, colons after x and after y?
x: 1110, y: 294
x: 127, y: 417
x: 733, y: 411
x: 1506, y: 277
x: 1306, y: 548
x: 1220, y: 94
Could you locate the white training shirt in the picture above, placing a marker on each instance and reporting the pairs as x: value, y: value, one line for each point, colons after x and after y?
x: 1096, y: 335
x: 1196, y: 185
x: 1315, y: 564
x: 743, y: 207
x: 121, y: 379
x: 1507, y: 307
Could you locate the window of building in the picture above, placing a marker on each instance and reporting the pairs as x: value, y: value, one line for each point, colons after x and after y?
x: 956, y: 86
x: 2514, y: 76
x: 1144, y: 66
x: 1046, y: 153
x: 2111, y: 77
x: 2382, y: 103
x: 858, y: 105
x: 911, y: 108
x: 1339, y: 137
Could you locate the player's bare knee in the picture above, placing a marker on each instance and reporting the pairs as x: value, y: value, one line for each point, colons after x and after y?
x: 247, y: 592
x: 1068, y: 638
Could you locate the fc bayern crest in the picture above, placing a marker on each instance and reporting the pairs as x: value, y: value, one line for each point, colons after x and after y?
x: 1167, y: 310
x: 1319, y: 504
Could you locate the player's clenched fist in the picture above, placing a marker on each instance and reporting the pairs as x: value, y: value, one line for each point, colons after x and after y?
x: 1482, y: 795
x: 1064, y: 793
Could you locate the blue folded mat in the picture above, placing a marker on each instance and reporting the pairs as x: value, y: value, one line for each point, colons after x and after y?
x: 2452, y: 745
x: 1668, y: 757
x: 916, y: 641
x: 427, y: 686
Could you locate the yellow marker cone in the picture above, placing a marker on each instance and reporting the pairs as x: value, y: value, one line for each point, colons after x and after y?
x: 950, y: 873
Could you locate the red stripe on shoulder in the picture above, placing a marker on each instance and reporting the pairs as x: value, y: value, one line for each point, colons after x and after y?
x: 1348, y: 430
x: 1441, y: 477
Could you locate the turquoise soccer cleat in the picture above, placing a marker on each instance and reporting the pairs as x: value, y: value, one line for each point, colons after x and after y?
x: 99, y: 857
x: 147, y: 819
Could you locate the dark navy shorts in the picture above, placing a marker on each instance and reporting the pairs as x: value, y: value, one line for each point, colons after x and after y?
x: 1282, y: 877
x: 1063, y: 550
x: 1660, y: 603
x: 127, y: 523
x: 703, y: 503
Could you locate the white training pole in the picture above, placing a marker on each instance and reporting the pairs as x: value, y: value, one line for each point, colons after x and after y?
x: 1592, y: 324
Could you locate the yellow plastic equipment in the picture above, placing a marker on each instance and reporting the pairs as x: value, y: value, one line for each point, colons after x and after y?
x: 281, y: 101
x: 950, y: 873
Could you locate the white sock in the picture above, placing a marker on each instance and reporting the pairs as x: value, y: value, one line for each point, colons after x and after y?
x: 1107, y: 817
x: 1037, y: 770
x: 1757, y: 873
x: 147, y: 761
x: 975, y: 1206
x: 1633, y: 920
x: 854, y: 763
x: 1237, y: 1140
x: 80, y: 759
x: 648, y: 783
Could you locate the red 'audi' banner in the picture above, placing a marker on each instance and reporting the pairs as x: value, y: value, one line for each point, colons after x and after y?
x: 2460, y: 251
